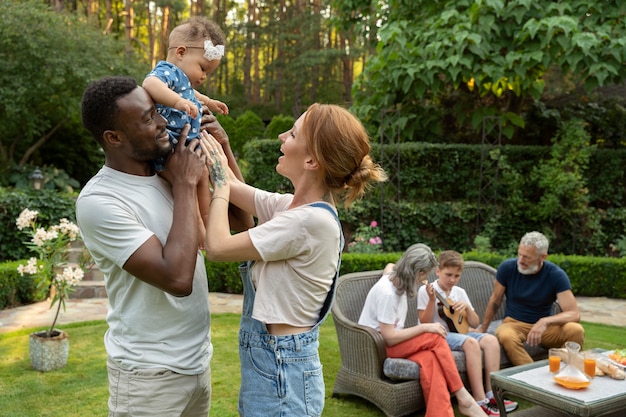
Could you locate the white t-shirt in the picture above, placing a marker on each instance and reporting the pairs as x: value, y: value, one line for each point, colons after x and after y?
x: 384, y: 305
x: 148, y: 328
x: 299, y: 248
x: 456, y: 294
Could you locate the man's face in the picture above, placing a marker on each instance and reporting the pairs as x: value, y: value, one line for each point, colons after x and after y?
x: 528, y: 260
x: 142, y: 127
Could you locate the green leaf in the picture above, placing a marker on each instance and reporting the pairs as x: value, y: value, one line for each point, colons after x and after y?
x: 532, y: 26
x: 516, y: 119
x: 585, y: 41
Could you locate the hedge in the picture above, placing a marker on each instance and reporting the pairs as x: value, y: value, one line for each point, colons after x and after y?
x: 590, y: 276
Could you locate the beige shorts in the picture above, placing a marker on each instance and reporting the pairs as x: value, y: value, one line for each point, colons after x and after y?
x: 158, y: 392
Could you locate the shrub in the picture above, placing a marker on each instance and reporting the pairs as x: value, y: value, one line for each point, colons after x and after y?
x: 16, y: 290
x: 248, y: 126
x: 51, y: 205
x: 278, y: 125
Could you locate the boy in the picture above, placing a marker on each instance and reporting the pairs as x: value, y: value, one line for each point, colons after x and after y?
x: 473, y: 344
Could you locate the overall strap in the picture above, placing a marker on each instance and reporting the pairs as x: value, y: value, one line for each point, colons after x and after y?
x: 331, y: 294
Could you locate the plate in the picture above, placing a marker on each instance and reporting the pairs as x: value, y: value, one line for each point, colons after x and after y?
x: 606, y: 355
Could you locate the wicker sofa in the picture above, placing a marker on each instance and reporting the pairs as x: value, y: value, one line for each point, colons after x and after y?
x: 393, y: 384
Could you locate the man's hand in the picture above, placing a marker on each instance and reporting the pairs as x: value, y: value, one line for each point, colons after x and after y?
x: 210, y: 124
x: 534, y: 335
x: 186, y: 164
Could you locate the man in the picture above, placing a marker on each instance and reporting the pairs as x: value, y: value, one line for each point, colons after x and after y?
x: 531, y: 285
x: 144, y: 233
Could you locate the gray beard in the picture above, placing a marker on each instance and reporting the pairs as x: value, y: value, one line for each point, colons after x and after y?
x: 528, y: 271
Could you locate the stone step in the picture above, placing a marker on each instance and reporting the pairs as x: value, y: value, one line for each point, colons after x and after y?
x: 93, y: 274
x: 92, y: 285
x: 89, y: 289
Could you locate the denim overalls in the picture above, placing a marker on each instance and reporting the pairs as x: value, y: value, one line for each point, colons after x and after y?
x: 280, y: 375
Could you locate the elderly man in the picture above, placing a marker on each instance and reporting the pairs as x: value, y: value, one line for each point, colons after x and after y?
x: 531, y: 285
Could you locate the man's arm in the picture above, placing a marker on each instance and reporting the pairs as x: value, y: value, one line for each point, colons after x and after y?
x: 171, y: 266
x: 495, y: 301
x: 569, y: 313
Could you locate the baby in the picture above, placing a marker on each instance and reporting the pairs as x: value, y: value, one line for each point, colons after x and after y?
x: 195, y: 49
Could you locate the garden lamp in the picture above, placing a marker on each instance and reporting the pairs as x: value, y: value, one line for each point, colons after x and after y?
x: 37, y: 179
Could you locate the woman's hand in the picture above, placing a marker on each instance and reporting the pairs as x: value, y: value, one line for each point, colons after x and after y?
x: 217, y: 164
x: 434, y: 328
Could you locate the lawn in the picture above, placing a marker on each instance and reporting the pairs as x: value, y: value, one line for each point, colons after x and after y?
x: 80, y: 389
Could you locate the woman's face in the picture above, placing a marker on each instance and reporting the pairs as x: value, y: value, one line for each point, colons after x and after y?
x: 294, y: 151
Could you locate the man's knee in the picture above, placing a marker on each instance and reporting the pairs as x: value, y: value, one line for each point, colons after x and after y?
x: 505, y: 332
x: 574, y: 332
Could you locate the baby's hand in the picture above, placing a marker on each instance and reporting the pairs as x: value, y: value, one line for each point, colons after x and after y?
x: 188, y: 107
x: 217, y: 106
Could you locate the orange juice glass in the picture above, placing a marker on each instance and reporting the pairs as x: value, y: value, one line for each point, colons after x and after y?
x: 554, y: 360
x: 590, y: 364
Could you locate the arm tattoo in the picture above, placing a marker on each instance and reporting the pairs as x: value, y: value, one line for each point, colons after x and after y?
x: 217, y: 173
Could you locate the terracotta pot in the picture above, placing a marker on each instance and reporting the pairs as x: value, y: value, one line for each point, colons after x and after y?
x: 48, y: 353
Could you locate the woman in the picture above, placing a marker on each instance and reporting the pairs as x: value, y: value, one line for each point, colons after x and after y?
x: 385, y: 310
x: 294, y: 251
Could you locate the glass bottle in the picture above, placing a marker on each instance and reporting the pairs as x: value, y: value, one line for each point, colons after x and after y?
x: 571, y: 376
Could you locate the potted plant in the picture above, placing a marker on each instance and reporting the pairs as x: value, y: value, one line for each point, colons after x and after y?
x: 55, y: 276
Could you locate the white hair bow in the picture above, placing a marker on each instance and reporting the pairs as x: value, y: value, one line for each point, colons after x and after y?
x: 213, y: 52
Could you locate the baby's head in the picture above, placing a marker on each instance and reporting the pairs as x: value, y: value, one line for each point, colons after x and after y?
x: 196, y: 46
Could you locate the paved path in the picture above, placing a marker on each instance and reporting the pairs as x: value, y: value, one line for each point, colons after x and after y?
x: 593, y: 309
x: 40, y: 314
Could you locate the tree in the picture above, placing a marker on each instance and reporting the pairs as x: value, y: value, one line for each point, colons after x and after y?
x: 46, y: 61
x: 484, y: 58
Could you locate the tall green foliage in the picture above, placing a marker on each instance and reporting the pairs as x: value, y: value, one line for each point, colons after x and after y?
x: 278, y: 125
x: 248, y: 126
x: 482, y: 58
x: 551, y: 196
x: 46, y: 61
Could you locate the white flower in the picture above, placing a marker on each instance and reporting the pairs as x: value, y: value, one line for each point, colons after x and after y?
x: 29, y: 268
x: 51, y: 246
x: 41, y: 236
x: 69, y: 277
x: 68, y: 228
x: 26, y: 218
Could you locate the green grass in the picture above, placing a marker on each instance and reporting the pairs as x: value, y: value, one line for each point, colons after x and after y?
x: 80, y: 389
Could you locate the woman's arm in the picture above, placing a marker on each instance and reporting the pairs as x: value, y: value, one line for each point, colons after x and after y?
x: 393, y: 336
x: 220, y: 244
x: 242, y: 211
